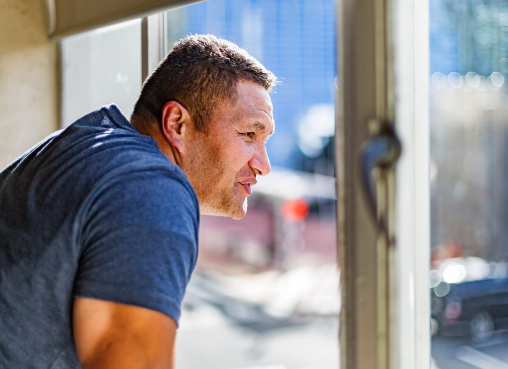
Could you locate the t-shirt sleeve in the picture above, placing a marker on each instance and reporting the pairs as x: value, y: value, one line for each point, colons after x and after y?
x: 140, y: 242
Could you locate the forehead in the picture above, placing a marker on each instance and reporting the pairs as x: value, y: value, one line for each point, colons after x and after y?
x: 252, y: 111
x: 253, y: 96
x: 254, y: 106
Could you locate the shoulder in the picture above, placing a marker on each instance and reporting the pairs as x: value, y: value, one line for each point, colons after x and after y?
x: 112, y: 155
x: 148, y: 194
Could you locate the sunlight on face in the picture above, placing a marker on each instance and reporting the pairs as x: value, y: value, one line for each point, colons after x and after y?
x: 225, y: 161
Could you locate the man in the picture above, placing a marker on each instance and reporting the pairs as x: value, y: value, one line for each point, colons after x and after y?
x: 99, y: 222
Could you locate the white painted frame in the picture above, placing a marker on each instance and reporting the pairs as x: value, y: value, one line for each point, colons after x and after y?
x: 153, y: 42
x: 411, y: 65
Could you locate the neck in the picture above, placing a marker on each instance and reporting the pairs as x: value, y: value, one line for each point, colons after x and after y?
x: 152, y: 129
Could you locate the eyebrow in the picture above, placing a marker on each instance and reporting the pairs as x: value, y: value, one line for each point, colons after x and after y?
x: 260, y: 126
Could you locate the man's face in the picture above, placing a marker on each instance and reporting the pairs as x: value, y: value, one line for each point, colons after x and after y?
x: 223, y: 163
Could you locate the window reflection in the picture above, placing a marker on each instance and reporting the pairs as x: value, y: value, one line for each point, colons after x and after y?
x: 469, y: 172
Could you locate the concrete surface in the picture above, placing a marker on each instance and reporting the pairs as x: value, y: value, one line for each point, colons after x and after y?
x: 28, y: 78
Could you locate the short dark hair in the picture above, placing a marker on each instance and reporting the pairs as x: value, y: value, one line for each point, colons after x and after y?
x: 200, y: 72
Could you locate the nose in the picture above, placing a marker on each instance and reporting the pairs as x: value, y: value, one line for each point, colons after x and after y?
x: 260, y: 162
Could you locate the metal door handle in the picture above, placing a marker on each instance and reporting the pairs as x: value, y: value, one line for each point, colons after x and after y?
x: 379, y: 152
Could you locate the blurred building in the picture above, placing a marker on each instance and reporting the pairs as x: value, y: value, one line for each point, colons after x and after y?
x: 469, y: 171
x: 467, y: 35
x: 469, y: 130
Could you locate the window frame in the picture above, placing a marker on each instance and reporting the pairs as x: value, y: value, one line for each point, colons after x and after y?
x: 383, y: 67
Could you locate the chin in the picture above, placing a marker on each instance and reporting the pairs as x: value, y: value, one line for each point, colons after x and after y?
x: 235, y: 210
x: 238, y: 215
x: 239, y: 211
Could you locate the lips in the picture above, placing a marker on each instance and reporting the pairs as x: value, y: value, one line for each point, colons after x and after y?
x: 246, y: 185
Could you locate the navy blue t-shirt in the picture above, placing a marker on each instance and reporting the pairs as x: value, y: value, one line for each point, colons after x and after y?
x: 95, y: 210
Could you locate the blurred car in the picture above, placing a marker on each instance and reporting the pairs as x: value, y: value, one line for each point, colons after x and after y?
x: 465, y: 302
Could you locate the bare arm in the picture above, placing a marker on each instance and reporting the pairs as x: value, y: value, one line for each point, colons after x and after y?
x: 110, y: 335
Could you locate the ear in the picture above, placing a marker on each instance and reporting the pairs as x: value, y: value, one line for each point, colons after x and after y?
x: 175, y: 125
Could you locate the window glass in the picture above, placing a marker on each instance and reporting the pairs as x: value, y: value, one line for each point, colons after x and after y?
x: 99, y: 68
x: 265, y: 290
x: 469, y: 176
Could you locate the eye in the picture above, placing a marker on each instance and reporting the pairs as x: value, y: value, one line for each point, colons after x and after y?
x: 249, y: 134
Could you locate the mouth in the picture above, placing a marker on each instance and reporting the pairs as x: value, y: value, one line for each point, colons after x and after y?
x: 246, y: 188
x: 246, y: 185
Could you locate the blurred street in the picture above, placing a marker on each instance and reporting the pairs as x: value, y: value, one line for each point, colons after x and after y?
x: 224, y: 326
x: 462, y: 353
x: 312, y: 346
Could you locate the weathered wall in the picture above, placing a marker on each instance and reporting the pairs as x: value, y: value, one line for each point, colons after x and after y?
x: 28, y: 78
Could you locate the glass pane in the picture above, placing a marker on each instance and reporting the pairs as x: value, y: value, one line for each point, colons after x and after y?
x: 469, y: 172
x: 101, y: 67
x: 265, y: 290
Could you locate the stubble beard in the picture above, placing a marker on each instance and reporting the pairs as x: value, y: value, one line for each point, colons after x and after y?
x: 217, y: 195
x: 223, y: 201
x: 208, y: 175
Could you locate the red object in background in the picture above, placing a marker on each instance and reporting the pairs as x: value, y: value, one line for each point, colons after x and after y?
x: 448, y: 248
x: 295, y: 210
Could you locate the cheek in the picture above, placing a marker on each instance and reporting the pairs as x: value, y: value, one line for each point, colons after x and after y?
x: 243, y: 154
x: 237, y: 154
